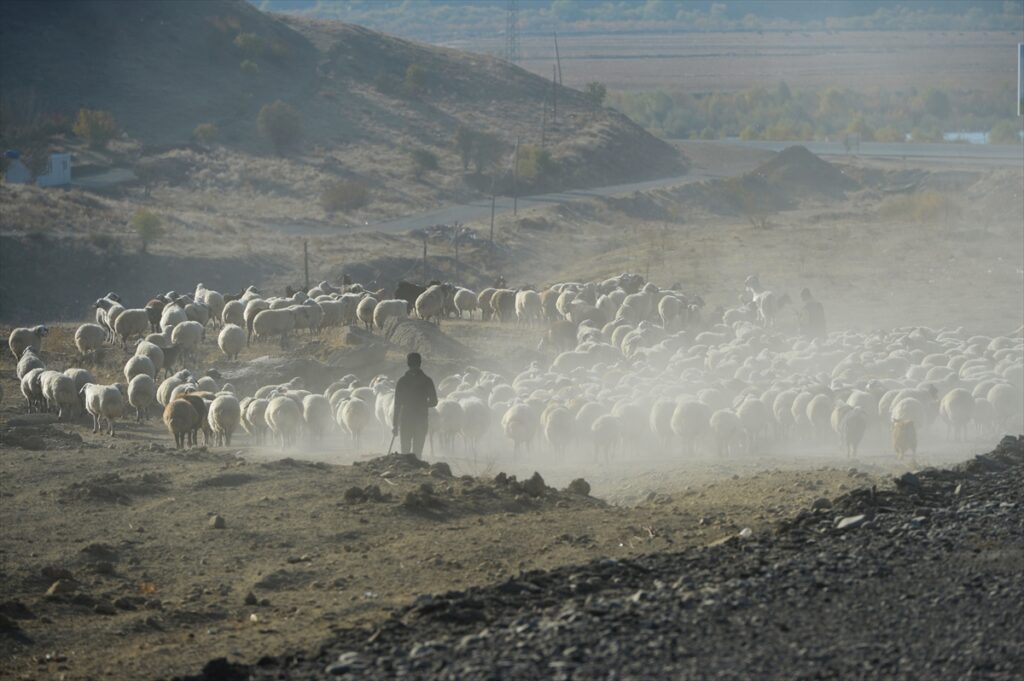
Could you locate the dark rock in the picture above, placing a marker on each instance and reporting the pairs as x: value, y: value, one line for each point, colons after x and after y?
x: 821, y: 504
x: 354, y: 495
x: 579, y: 486
x: 535, y: 485
x: 440, y: 470
x: 217, y: 522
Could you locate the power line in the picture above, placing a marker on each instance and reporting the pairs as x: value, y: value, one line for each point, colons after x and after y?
x: 512, y: 31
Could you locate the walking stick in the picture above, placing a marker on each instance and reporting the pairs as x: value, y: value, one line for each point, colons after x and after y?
x: 392, y: 443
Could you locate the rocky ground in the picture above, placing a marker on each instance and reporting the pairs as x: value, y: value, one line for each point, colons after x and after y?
x: 920, y: 581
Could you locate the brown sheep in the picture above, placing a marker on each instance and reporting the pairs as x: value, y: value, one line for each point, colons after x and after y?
x: 904, y: 438
x: 200, y: 402
x: 181, y: 421
x: 483, y: 301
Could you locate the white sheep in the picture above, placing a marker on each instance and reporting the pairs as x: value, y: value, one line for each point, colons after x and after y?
x: 476, y: 420
x: 233, y: 313
x: 29, y: 361
x: 316, y: 413
x: 59, y: 393
x: 104, y: 403
x: 89, y: 338
x: 956, y: 409
x: 1006, y: 402
x: 559, y: 428
x: 529, y: 308
x: 465, y: 301
x: 430, y: 303
x: 22, y: 338
x: 726, y: 427
x: 154, y: 352
x: 32, y: 389
x: 448, y: 424
x: 690, y: 421
x: 605, y: 433
x: 231, y: 340
x: 387, y: 309
x: 224, y: 416
x: 364, y: 311
x: 187, y: 335
x: 131, y: 323
x: 519, y: 425
x: 138, y: 364
x: 270, y: 323
x: 354, y: 415
x: 141, y: 395
x: 284, y: 417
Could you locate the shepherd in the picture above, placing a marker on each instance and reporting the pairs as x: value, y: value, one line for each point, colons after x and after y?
x: 414, y: 395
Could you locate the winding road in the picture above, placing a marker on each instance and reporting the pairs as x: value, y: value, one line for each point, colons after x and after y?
x: 480, y: 209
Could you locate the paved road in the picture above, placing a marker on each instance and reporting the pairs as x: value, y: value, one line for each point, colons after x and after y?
x: 991, y: 154
x: 480, y: 210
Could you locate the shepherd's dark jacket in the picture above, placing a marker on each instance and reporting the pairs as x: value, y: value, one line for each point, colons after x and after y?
x: 414, y: 395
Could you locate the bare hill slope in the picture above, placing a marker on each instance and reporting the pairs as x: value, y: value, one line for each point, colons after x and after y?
x: 162, y: 68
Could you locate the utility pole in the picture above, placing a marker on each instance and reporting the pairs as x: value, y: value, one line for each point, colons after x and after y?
x: 554, y: 97
x: 425, y: 257
x: 305, y: 260
x: 512, y: 31
x: 492, y: 218
x: 558, y: 59
x: 515, y: 179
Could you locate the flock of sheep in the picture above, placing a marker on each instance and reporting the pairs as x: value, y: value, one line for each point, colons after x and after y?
x: 628, y: 367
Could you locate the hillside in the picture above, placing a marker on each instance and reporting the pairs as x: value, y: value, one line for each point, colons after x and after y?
x: 365, y: 103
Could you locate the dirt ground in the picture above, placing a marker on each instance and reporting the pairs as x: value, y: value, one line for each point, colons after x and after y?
x: 329, y: 535
x: 148, y: 586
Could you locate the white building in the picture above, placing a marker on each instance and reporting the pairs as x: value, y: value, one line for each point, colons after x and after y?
x: 59, y: 172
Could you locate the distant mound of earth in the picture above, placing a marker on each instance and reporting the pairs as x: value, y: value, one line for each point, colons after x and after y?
x: 795, y: 169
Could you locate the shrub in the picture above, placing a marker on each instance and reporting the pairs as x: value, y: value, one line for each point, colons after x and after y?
x: 926, y: 207
x: 281, y: 124
x: 415, y: 79
x: 423, y: 161
x: 147, y: 226
x: 748, y: 133
x: 486, y: 152
x: 250, y: 68
x: 251, y: 45
x: 889, y: 134
x: 344, y: 195
x: 1005, y: 132
x: 465, y: 140
x: 595, y: 92
x: 95, y: 127
x: 535, y: 164
x: 206, y: 133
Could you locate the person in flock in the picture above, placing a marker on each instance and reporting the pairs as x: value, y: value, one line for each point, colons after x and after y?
x: 414, y: 396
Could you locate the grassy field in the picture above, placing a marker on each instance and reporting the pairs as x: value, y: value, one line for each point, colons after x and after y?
x: 699, y: 62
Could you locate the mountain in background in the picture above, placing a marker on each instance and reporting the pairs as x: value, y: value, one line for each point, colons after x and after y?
x: 442, y: 20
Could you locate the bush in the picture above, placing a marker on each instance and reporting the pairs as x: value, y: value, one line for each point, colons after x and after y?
x: 465, y: 140
x: 281, y: 124
x: 147, y: 226
x: 250, y: 68
x: 206, y: 133
x: 344, y: 195
x: 1005, y: 132
x: 535, y: 164
x: 595, y: 92
x: 415, y: 79
x: 487, y: 151
x: 926, y: 207
x: 95, y: 127
x: 251, y: 45
x: 889, y: 134
x: 423, y: 161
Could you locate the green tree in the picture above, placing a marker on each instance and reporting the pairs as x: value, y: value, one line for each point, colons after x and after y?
x: 423, y: 161
x: 935, y: 102
x: 250, y: 45
x: 95, y: 127
x: 281, y: 124
x: 465, y: 140
x: 535, y: 164
x: 415, y: 79
x: 249, y: 67
x: 486, y: 152
x: 206, y: 134
x: 595, y: 92
x: 147, y: 226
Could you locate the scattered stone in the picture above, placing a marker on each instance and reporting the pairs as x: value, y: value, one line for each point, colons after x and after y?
x: 959, y: 491
x: 217, y: 522
x: 850, y: 522
x: 821, y: 504
x: 124, y: 603
x: 440, y: 470
x: 908, y: 482
x: 62, y: 587
x: 354, y: 495
x: 346, y: 662
x: 579, y: 486
x: 535, y: 485
x: 746, y: 533
x: 250, y: 599
x: 104, y: 608
x: 52, y: 573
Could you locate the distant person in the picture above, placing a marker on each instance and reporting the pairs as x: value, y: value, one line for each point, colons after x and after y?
x: 414, y: 395
x: 812, y: 316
